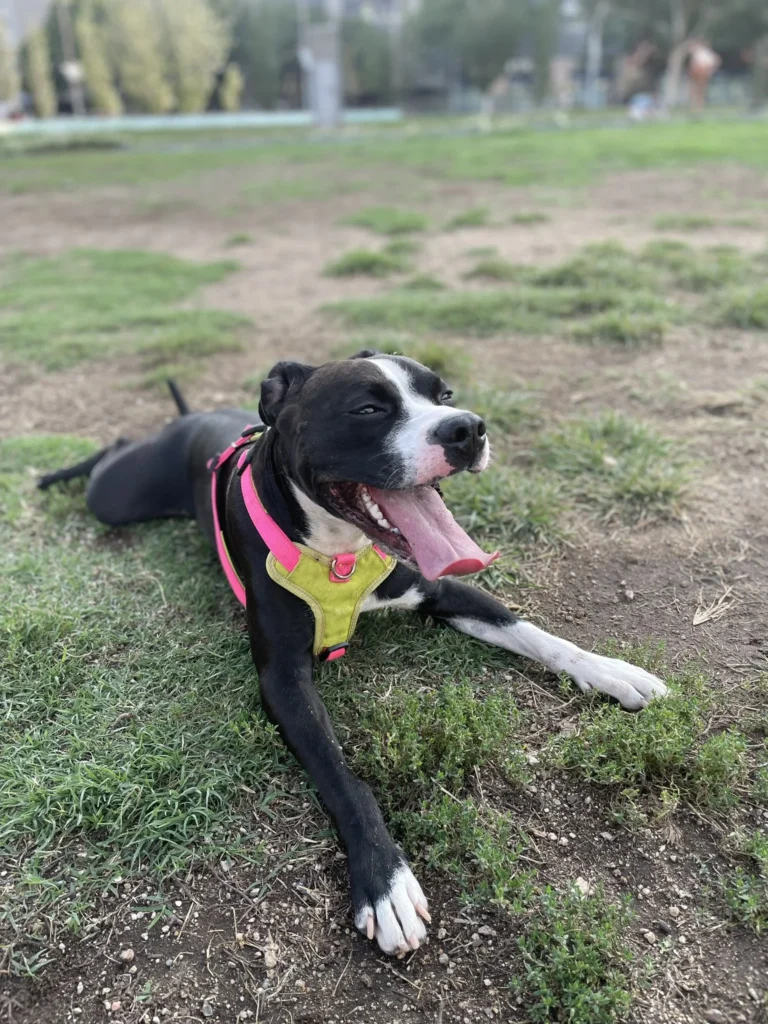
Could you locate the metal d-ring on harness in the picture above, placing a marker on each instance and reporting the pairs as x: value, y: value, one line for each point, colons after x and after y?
x: 323, y: 582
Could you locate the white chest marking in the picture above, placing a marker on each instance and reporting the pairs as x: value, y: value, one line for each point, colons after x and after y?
x: 409, y: 601
x: 327, y: 534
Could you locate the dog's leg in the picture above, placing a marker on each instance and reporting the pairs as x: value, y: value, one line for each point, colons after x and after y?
x: 472, y: 611
x: 84, y: 468
x: 388, y: 901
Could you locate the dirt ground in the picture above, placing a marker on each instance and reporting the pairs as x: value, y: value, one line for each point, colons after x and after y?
x: 208, y: 958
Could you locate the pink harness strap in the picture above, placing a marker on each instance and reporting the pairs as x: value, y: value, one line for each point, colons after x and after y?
x: 278, y: 542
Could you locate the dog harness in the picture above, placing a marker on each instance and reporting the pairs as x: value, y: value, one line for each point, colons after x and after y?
x: 334, y: 588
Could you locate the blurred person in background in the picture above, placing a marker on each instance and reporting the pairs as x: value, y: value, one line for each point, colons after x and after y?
x: 703, y: 62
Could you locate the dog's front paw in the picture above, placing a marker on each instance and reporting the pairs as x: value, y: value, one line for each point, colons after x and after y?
x: 388, y: 902
x: 633, y: 687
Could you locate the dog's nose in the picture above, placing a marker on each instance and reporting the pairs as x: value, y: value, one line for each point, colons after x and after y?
x: 462, y: 435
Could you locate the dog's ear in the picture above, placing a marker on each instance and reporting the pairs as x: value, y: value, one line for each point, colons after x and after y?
x: 283, y: 381
x: 365, y: 353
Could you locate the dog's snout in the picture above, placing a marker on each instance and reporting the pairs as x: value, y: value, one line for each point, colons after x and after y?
x: 462, y: 435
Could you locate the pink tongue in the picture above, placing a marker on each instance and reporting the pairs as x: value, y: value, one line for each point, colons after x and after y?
x: 438, y: 543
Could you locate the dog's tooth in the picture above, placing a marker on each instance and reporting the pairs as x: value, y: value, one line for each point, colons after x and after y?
x: 394, y: 529
x: 385, y: 523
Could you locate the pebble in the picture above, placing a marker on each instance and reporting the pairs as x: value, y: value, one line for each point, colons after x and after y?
x: 127, y: 955
x: 207, y: 1010
x: 115, y: 1006
x: 485, y: 929
x: 441, y: 933
x: 753, y: 994
x: 270, y: 959
x: 714, y: 1016
x: 476, y: 940
x: 443, y: 959
x: 487, y: 982
x: 663, y: 926
x: 80, y: 987
x: 650, y: 937
x: 367, y: 980
x: 674, y: 911
x: 606, y: 836
x: 301, y: 985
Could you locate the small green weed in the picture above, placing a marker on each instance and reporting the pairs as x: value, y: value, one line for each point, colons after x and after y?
x: 387, y: 220
x: 577, y: 964
x: 616, y: 464
x: 530, y: 218
x: 746, y: 896
x: 477, y: 217
x: 365, y: 262
x: 496, y: 268
x: 402, y: 247
x: 423, y: 282
x: 603, y: 265
x: 239, y: 238
x: 683, y: 222
x: 618, y: 327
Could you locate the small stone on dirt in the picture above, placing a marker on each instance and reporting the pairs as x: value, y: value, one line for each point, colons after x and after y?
x: 367, y: 980
x: 207, y: 1010
x: 485, y: 929
x: 715, y: 1016
x: 674, y: 911
x: 650, y: 937
x: 270, y: 958
x: 606, y: 836
x: 663, y: 926
x: 443, y: 959
x: 583, y: 886
x: 441, y: 933
x: 753, y: 994
x: 127, y: 955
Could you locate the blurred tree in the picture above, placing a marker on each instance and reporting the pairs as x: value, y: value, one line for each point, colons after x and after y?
x: 544, y: 24
x: 465, y: 40
x: 231, y: 88
x: 137, y: 43
x: 91, y: 36
x: 265, y: 43
x: 9, y: 72
x: 367, y: 59
x: 37, y: 74
x: 196, y: 45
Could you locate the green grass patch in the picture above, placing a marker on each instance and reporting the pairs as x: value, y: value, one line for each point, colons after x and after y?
x: 368, y: 263
x: 665, y: 752
x: 496, y: 268
x: 530, y: 218
x: 477, y: 217
x: 616, y: 465
x: 504, y: 506
x: 483, y: 313
x: 617, y: 327
x: 505, y: 411
x: 698, y: 270
x: 603, y: 265
x: 387, y: 220
x: 239, y: 238
x: 684, y: 222
x: 403, y: 247
x: 452, y: 362
x: 422, y: 283
x: 746, y: 308
x: 577, y: 965
x: 89, y: 304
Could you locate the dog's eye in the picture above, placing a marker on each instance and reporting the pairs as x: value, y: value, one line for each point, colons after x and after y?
x: 366, y: 410
x: 446, y: 396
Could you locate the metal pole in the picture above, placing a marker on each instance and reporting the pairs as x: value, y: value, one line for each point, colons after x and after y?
x: 76, y: 94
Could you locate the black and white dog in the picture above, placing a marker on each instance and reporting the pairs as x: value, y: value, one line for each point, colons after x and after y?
x: 354, y: 452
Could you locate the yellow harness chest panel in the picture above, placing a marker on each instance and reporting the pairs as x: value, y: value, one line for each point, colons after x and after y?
x: 336, y: 606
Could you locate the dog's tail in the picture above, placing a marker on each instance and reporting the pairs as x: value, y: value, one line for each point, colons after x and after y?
x: 181, y: 403
x: 84, y: 468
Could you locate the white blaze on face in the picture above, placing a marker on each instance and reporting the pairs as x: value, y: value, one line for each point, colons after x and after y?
x: 422, y: 460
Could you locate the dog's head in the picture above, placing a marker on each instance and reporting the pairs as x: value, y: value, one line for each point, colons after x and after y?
x: 369, y: 439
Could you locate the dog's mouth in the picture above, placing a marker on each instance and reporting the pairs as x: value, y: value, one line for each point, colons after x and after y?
x: 415, y: 525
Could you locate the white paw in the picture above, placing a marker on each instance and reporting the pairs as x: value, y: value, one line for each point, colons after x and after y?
x: 397, y: 920
x: 633, y: 687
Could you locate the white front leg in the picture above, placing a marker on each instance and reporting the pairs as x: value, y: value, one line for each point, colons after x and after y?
x: 633, y: 687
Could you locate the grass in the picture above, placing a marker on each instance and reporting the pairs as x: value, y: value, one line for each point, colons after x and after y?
x: 665, y: 753
x: 239, y: 238
x: 423, y: 282
x: 86, y: 304
x: 481, y: 314
x: 477, y: 217
x: 530, y: 218
x: 630, y: 330
x: 746, y: 308
x: 387, y: 220
x: 496, y: 268
x: 616, y: 465
x: 578, y: 966
x: 683, y: 222
x: 520, y: 157
x: 604, y: 265
x: 450, y: 361
x: 367, y: 263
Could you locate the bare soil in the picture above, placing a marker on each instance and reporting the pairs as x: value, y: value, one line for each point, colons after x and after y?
x: 209, y: 959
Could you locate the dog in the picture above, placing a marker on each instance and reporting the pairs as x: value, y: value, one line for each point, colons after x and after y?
x: 341, y: 471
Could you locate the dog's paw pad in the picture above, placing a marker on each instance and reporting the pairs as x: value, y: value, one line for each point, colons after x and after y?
x: 397, y: 919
